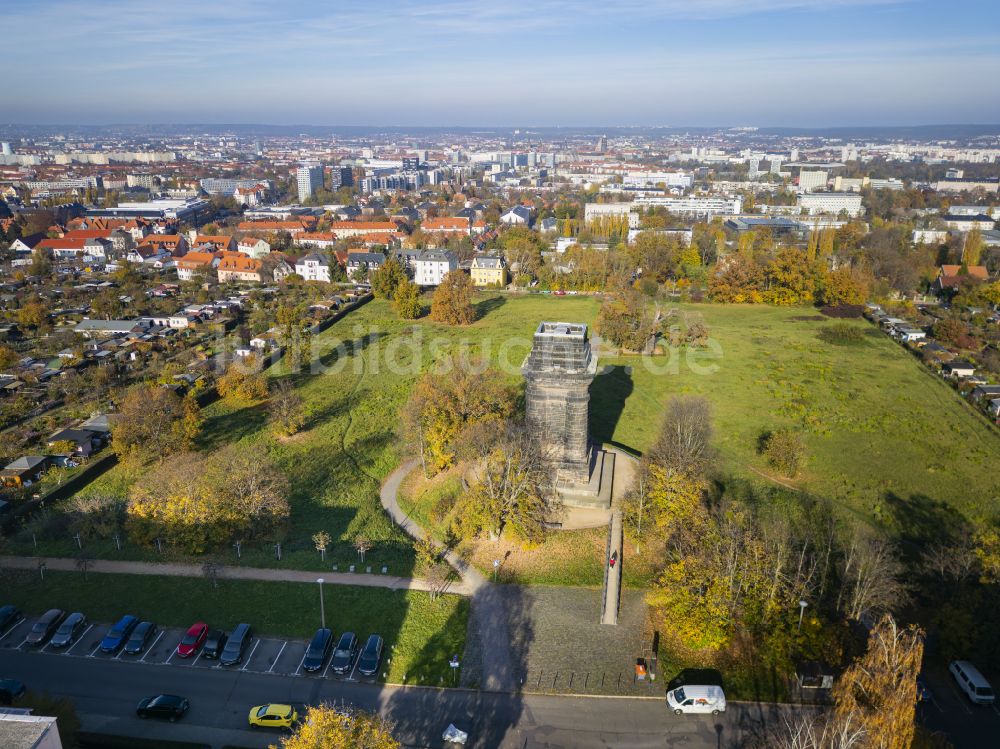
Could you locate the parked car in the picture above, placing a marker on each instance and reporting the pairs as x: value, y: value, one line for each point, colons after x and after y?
x: 9, y: 616
x: 10, y: 690
x: 215, y: 642
x: 45, y: 627
x: 193, y: 639
x: 973, y: 683
x: 119, y: 634
x: 692, y: 698
x: 273, y: 716
x: 70, y: 630
x: 371, y: 656
x: 236, y: 645
x: 318, y: 650
x: 140, y: 637
x: 168, y: 706
x: 343, y: 656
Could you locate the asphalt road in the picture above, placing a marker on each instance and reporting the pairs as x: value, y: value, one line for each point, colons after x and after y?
x: 106, y: 690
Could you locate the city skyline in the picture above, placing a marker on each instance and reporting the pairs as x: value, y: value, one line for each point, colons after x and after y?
x: 719, y: 63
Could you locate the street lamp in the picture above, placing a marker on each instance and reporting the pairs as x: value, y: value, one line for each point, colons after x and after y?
x: 322, y: 613
x: 802, y: 610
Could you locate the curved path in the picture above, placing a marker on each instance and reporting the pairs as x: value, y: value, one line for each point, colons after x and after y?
x: 488, y: 626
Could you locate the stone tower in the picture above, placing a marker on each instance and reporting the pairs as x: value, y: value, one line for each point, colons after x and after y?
x: 558, y: 372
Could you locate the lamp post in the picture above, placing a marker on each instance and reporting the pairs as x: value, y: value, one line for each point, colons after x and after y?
x: 802, y: 610
x: 322, y: 612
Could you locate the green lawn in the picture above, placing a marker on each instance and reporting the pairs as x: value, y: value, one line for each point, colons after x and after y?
x: 420, y: 634
x: 884, y: 436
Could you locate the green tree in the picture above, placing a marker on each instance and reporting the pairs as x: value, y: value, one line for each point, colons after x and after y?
x: 387, y: 278
x: 406, y: 300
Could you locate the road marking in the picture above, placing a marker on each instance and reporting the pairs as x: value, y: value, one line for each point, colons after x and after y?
x: 69, y: 650
x: 283, y: 646
x: 12, y: 628
x: 23, y: 642
x: 150, y: 648
x: 298, y: 671
x: 94, y: 651
x: 961, y: 699
x: 995, y: 709
x: 170, y: 657
x: 250, y: 657
x: 195, y: 661
x: 357, y: 660
x: 329, y: 663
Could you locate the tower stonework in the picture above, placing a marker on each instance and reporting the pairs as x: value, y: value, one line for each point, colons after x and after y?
x: 558, y: 373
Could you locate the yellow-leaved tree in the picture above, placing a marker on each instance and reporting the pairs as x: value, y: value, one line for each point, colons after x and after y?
x: 327, y: 727
x: 878, y: 693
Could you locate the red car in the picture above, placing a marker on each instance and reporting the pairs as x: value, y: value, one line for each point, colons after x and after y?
x: 193, y: 640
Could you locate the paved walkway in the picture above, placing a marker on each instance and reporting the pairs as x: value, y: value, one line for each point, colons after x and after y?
x: 178, y: 569
x: 488, y: 620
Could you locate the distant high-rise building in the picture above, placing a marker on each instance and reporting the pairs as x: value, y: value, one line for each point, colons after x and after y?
x: 5, y: 149
x: 309, y: 178
x: 341, y: 176
x: 602, y: 144
x: 775, y: 165
x: 257, y: 148
x: 794, y: 155
x: 411, y: 163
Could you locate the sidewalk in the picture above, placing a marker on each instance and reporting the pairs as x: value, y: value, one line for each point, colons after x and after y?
x: 178, y: 569
x: 488, y: 617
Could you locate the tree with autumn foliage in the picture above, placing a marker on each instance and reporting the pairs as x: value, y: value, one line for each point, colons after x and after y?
x: 626, y: 320
x: 445, y: 405
x: 878, y: 692
x: 329, y: 727
x: 199, y: 503
x: 153, y: 421
x: 452, y: 301
x: 512, y: 485
x: 243, y: 382
x: 842, y: 286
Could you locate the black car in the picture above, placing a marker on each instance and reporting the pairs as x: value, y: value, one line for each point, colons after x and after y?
x: 45, y: 627
x: 70, y: 630
x: 10, y: 690
x: 371, y: 656
x: 140, y: 637
x: 215, y: 643
x: 236, y: 645
x: 168, y: 706
x: 9, y: 616
x: 318, y: 650
x: 343, y: 656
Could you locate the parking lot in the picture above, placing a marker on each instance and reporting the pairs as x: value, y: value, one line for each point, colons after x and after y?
x: 264, y: 655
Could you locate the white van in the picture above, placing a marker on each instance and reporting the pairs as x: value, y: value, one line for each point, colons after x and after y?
x: 972, y: 682
x: 692, y: 698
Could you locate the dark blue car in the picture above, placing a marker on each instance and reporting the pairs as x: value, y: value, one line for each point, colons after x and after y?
x: 118, y: 634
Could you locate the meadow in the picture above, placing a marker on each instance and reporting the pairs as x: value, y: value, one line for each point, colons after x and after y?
x: 886, y: 440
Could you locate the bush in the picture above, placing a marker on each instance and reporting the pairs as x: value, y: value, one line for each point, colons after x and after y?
x: 843, y: 310
x: 842, y: 334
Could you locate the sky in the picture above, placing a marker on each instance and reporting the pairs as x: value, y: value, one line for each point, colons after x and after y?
x: 517, y: 63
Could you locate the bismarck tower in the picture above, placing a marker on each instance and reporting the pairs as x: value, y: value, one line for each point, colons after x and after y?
x: 558, y: 372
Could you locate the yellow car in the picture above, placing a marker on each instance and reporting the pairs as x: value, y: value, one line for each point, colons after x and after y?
x: 273, y: 716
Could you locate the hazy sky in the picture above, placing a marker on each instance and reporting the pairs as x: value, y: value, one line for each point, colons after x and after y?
x: 502, y: 62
